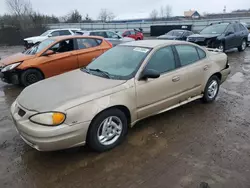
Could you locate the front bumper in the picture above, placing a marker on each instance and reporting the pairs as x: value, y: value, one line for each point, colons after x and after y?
x: 11, y: 77
x: 45, y: 138
x: 209, y: 43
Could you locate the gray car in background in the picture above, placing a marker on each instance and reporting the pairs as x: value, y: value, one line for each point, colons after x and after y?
x: 111, y: 36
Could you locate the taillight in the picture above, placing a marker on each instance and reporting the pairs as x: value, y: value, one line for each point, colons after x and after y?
x: 109, y: 43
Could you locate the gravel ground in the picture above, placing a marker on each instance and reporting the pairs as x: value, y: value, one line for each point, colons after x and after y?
x: 180, y: 148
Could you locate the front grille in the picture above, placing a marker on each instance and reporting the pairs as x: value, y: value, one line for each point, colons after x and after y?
x: 21, y: 112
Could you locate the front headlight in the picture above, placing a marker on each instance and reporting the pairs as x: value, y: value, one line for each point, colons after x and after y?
x: 48, y: 118
x: 10, y: 67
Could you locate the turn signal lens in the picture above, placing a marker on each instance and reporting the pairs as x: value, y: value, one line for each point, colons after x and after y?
x: 58, y: 118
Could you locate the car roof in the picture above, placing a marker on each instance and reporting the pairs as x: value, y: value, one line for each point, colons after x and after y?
x: 64, y: 29
x: 58, y: 38
x: 101, y: 30
x: 180, y: 30
x: 153, y: 43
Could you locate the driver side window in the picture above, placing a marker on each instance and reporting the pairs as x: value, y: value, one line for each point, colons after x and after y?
x: 63, y: 46
x: 55, y: 33
x: 112, y: 35
x: 230, y: 29
x: 162, y: 60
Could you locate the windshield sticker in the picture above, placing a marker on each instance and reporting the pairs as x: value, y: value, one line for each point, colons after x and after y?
x: 143, y: 50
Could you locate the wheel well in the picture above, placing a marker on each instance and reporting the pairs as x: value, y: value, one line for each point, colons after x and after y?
x: 218, y: 74
x: 124, y: 109
x: 34, y: 69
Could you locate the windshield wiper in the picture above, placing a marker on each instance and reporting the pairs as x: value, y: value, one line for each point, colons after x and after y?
x: 106, y: 74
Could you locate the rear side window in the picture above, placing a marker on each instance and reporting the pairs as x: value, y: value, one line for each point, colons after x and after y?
x: 242, y: 28
x: 127, y: 33
x: 64, y: 32
x: 201, y: 53
x: 187, y: 54
x: 162, y: 60
x: 87, y: 43
x: 100, y: 34
x: 132, y: 32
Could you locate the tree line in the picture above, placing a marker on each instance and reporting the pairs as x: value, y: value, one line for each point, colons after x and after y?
x: 20, y: 10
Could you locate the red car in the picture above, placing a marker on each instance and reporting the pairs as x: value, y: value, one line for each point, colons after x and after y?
x: 137, y: 35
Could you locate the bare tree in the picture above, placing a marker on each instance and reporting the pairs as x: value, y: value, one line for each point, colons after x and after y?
x: 162, y: 12
x: 168, y: 11
x: 154, y: 14
x: 19, y: 7
x: 106, y: 15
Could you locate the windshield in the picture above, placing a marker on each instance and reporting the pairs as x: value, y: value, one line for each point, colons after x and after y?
x: 214, y: 29
x: 45, y: 33
x: 175, y: 33
x: 39, y: 47
x: 120, y: 62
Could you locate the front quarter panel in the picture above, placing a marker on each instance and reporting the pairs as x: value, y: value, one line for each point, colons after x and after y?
x: 87, y: 111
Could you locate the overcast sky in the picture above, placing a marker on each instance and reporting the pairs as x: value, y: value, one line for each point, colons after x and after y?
x: 124, y: 9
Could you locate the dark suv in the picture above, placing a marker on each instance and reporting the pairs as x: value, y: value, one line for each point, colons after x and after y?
x: 223, y: 36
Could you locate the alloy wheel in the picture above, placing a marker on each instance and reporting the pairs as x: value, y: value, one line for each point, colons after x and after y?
x: 110, y: 130
x: 212, y: 89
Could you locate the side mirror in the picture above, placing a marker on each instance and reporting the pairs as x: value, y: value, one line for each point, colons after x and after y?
x: 48, y: 53
x: 149, y: 73
x: 229, y: 33
x: 50, y: 35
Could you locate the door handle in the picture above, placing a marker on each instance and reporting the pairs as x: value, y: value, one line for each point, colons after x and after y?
x: 206, y: 68
x: 176, y: 79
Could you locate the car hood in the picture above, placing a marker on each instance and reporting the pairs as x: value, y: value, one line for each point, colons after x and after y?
x: 170, y: 37
x: 19, y: 57
x: 36, y: 38
x: 127, y: 39
x: 52, y: 93
x: 207, y: 36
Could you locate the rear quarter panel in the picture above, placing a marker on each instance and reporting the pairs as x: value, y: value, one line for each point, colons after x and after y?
x: 218, y: 61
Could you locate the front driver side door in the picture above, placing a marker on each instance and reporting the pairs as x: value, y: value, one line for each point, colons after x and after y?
x: 230, y: 37
x: 63, y: 60
x: 155, y: 95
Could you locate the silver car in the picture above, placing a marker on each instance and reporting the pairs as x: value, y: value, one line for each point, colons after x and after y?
x: 112, y: 37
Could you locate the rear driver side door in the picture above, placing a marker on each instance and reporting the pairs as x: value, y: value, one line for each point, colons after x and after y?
x: 194, y: 67
x: 87, y: 50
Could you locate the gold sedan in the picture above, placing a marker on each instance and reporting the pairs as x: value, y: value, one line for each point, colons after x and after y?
x: 97, y: 104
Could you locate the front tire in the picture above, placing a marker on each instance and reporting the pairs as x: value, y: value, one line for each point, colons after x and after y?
x: 30, y: 76
x: 211, y: 89
x: 243, y: 45
x: 222, y: 47
x: 107, y: 130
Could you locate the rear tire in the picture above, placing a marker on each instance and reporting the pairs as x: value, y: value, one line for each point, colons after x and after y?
x: 107, y: 130
x: 243, y: 45
x: 211, y: 89
x: 30, y: 76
